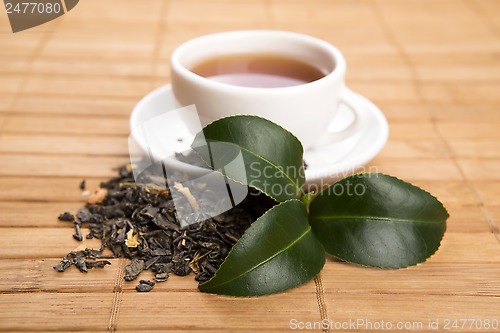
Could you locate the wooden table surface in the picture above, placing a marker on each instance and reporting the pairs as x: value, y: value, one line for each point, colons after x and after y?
x: 67, y: 89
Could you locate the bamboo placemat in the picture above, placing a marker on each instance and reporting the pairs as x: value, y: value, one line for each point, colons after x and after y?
x: 66, y: 91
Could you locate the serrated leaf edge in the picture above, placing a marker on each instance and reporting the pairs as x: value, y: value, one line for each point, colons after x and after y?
x: 259, y: 117
x: 239, y: 182
x: 309, y: 230
x: 386, y: 175
x: 394, y: 177
x: 387, y: 267
x: 299, y: 190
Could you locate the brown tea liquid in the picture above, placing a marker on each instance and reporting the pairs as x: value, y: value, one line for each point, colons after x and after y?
x: 258, y: 70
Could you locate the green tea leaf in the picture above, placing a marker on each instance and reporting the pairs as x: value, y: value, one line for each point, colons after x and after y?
x: 378, y: 220
x: 307, y: 198
x: 276, y: 253
x: 255, y: 152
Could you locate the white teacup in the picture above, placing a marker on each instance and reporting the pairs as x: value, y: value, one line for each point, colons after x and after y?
x: 306, y: 110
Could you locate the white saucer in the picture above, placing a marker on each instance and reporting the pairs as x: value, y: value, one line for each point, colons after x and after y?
x: 324, y: 164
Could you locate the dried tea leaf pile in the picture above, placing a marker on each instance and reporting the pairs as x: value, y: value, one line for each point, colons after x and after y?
x: 137, y: 220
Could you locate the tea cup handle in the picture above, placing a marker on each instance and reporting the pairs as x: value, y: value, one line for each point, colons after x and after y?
x: 359, y: 124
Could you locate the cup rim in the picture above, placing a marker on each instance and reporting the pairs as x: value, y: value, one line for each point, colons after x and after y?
x: 337, y: 72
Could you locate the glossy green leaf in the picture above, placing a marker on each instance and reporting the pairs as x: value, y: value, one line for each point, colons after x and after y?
x: 255, y: 152
x: 378, y: 220
x: 276, y: 253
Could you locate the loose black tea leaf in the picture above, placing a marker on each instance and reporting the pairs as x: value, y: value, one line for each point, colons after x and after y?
x: 133, y: 269
x: 84, y: 215
x: 161, y: 277
x: 82, y: 185
x: 66, y: 216
x: 63, y: 265
x: 83, y: 260
x: 137, y: 220
x: 145, y: 286
x: 151, y: 283
x: 78, y: 233
x: 80, y: 263
x: 97, y: 264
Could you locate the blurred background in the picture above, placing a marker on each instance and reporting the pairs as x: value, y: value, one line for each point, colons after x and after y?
x: 105, y: 55
x: 418, y: 60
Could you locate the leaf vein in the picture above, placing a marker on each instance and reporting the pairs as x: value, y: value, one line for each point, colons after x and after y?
x: 265, y: 261
x: 273, y: 165
x: 376, y: 218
